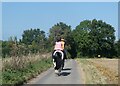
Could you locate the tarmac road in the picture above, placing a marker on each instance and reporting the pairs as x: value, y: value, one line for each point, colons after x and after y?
x: 71, y: 74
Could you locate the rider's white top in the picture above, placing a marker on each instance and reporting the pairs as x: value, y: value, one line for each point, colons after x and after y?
x: 58, y: 46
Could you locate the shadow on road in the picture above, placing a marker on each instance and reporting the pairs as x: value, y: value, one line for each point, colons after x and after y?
x: 65, y: 73
x: 67, y: 69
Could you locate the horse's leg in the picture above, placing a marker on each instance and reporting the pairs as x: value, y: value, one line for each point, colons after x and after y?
x: 54, y: 63
x: 63, y: 63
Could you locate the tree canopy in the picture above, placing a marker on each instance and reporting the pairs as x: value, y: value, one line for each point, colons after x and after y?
x: 94, y: 38
x: 89, y: 38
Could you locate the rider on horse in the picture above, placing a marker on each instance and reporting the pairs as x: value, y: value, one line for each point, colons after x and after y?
x: 59, y: 48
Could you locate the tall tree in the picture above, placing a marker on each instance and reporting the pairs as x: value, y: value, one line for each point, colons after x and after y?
x: 33, y: 35
x: 35, y: 40
x: 117, y: 48
x: 81, y: 38
x: 60, y: 30
x: 95, y: 37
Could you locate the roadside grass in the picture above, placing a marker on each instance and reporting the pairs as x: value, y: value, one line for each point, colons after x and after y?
x: 92, y: 75
x: 108, y: 68
x: 0, y: 70
x: 12, y: 77
x: 100, y: 70
x: 0, y: 77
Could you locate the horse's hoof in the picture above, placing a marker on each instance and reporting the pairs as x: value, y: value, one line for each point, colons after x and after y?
x: 58, y: 74
x: 56, y: 71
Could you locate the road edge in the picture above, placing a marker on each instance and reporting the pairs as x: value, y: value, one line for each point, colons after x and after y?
x: 80, y: 69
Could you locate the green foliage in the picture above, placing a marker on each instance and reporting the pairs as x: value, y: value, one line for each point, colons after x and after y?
x: 6, y: 47
x: 19, y: 76
x: 94, y: 37
x: 34, y: 39
x: 89, y: 38
x: 64, y: 31
x: 117, y: 48
x: 0, y: 48
x: 33, y: 35
x: 59, y: 30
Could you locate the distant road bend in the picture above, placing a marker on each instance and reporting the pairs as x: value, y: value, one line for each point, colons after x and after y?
x: 71, y: 74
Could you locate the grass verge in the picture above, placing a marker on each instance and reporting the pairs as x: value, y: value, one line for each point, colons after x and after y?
x: 13, y: 77
x: 92, y: 75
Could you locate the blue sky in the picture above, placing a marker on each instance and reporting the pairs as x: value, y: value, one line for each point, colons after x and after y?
x: 20, y: 16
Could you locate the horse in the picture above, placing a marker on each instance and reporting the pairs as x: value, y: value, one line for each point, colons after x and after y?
x: 58, y: 61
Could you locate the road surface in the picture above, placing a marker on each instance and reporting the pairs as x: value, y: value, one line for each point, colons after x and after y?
x: 71, y: 74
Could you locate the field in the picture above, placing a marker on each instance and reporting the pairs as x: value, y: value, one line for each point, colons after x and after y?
x: 100, y: 71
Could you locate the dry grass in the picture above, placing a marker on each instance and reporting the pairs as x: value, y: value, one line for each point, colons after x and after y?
x: 21, y: 62
x: 91, y: 74
x: 100, y: 71
x: 17, y: 70
x: 108, y: 68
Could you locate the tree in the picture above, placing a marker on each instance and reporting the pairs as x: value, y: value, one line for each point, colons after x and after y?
x: 35, y: 40
x: 103, y: 33
x: 0, y: 48
x: 8, y: 47
x: 60, y: 30
x: 81, y: 38
x: 94, y: 37
x: 33, y: 35
x: 117, y: 48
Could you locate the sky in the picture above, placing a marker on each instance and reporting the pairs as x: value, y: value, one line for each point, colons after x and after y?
x: 20, y: 16
x: 60, y: 0
x: 119, y: 20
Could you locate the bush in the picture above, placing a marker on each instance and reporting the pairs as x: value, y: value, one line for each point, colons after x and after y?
x: 18, y: 76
